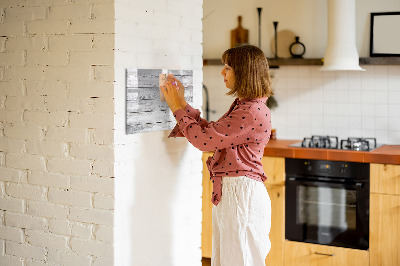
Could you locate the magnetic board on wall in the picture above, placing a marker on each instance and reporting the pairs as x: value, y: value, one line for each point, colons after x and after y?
x: 144, y: 110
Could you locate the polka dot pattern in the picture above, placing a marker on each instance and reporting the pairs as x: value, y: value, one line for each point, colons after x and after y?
x: 238, y: 139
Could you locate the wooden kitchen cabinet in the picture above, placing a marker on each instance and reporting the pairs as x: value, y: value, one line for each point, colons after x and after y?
x: 384, y: 236
x: 305, y: 254
x: 206, y: 225
x: 274, y: 168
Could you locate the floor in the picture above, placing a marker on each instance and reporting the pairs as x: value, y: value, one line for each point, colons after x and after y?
x: 206, y: 261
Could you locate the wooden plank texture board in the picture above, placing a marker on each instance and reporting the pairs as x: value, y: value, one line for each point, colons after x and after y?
x: 144, y: 109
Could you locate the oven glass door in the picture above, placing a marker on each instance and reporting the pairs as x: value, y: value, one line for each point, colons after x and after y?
x: 326, y: 213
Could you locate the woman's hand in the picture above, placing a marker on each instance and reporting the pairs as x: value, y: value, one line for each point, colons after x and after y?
x: 181, y: 90
x: 171, y: 94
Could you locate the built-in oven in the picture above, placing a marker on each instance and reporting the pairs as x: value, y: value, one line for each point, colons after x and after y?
x: 327, y: 202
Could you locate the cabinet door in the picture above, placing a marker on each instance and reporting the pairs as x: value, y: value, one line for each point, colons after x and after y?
x: 277, y: 233
x: 385, y: 178
x: 274, y: 168
x: 304, y: 254
x: 206, y: 226
x: 384, y: 229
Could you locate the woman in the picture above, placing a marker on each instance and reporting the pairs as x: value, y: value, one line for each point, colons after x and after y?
x: 242, y: 208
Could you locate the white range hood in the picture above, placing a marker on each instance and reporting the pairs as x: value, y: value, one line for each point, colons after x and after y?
x: 341, y: 51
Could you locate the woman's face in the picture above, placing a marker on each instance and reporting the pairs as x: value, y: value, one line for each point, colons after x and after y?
x: 229, y: 76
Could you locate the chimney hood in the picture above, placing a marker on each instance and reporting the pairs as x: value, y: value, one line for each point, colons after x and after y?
x: 341, y: 51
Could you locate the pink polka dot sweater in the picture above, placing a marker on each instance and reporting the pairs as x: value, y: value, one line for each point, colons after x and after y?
x: 238, y: 139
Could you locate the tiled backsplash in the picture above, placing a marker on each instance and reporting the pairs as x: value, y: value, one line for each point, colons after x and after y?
x: 342, y: 103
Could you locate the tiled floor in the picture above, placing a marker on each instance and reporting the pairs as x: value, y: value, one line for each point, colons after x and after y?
x: 206, y: 261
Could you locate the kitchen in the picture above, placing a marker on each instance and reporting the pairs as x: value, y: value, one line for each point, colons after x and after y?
x: 75, y: 189
x: 313, y: 104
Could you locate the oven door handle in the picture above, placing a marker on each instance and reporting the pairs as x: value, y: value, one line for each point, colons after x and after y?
x: 357, y: 185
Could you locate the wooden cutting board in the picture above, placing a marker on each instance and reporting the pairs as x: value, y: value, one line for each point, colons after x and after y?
x: 239, y: 35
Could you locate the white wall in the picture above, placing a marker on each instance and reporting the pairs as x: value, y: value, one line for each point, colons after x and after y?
x: 56, y: 132
x: 344, y: 103
x: 158, y: 180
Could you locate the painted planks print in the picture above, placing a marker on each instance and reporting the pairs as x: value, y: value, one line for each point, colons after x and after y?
x: 144, y: 110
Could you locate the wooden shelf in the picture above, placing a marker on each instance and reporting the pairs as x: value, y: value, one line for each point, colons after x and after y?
x: 274, y: 63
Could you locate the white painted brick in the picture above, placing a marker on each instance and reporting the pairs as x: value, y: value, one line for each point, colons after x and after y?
x: 74, y: 135
x: 70, y: 12
x: 23, y: 73
x: 21, y: 43
x: 103, y: 202
x: 25, y: 191
x: 47, y: 240
x: 31, y: 262
x: 82, y: 230
x: 25, y: 250
x: 56, y: 103
x: 25, y: 221
x: 46, y: 88
x: 91, y: 58
x: 47, y: 58
x: 97, y: 105
x: 92, y: 151
x: 11, y: 117
x: 98, y: 120
x: 11, y: 88
x: 95, y: 216
x: 104, y: 73
x: 12, y: 234
x: 93, y: 184
x: 24, y: 132
x: 2, y: 248
x: 105, y: 260
x: 11, y: 59
x: 2, y: 189
x: 2, y: 158
x: 69, y: 197
x: 60, y: 227
x: 3, y: 44
x: 81, y: 73
x: 91, y: 89
x: 191, y: 48
x: 12, y: 145
x: 12, y: 28
x: 46, y: 118
x: 68, y: 258
x: 25, y: 161
x: 46, y: 27
x: 46, y: 2
x: 46, y: 209
x: 69, y: 166
x: 191, y: 23
x: 101, y: 136
x: 24, y: 13
x: 91, y: 247
x: 48, y: 179
x: 104, y: 169
x: 2, y: 221
x: 12, y: 204
x: 71, y: 42
x: 8, y: 260
x: 103, y: 41
x: 46, y: 148
x: 105, y: 233
x: 103, y: 11
x: 25, y: 103
x: 91, y: 26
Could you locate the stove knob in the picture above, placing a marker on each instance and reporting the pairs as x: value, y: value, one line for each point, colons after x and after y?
x: 343, y: 168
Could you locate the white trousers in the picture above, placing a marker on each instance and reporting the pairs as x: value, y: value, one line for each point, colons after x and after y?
x: 241, y: 223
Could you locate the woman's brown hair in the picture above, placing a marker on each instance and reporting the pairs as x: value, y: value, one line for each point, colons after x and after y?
x: 250, y: 66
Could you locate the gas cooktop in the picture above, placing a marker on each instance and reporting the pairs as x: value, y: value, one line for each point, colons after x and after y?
x: 332, y: 142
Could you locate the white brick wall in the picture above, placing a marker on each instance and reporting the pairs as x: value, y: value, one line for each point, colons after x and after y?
x: 56, y: 132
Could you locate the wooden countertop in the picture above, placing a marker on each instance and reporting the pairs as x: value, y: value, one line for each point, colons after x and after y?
x: 389, y: 154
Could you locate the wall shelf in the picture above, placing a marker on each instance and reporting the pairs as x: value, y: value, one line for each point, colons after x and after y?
x: 274, y: 63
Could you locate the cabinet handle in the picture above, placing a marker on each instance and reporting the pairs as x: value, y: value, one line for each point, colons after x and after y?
x: 324, y: 254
